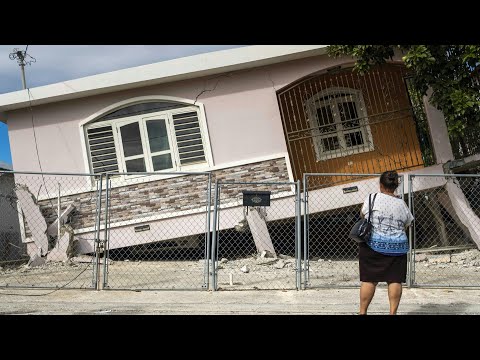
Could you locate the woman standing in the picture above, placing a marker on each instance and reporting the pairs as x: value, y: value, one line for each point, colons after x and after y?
x: 384, y: 257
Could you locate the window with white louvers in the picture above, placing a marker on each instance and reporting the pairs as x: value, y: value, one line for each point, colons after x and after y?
x: 189, y: 138
x: 137, y: 139
x: 101, y: 145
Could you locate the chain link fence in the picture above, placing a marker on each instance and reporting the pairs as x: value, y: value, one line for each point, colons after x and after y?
x: 155, y: 231
x: 446, y: 231
x: 331, y: 208
x: 158, y: 231
x: 48, y: 229
x: 256, y: 236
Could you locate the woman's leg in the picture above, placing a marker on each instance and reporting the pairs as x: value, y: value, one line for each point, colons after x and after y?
x: 367, y: 290
x: 394, y: 296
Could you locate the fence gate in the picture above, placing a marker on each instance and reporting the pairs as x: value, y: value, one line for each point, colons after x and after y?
x: 156, y: 231
x: 35, y: 252
x: 446, y: 232
x: 331, y: 208
x: 256, y: 235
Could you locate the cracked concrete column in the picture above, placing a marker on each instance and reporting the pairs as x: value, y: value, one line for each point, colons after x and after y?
x: 438, y: 131
x: 466, y: 217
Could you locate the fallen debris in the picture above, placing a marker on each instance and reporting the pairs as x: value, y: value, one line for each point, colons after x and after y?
x: 266, y: 254
x: 34, y: 217
x: 82, y: 259
x: 245, y: 269
x: 285, y: 257
x: 259, y: 230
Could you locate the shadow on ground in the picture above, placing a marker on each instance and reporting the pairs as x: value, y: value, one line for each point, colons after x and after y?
x: 458, y: 308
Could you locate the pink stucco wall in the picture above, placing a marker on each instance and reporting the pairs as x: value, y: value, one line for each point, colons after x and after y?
x: 242, y: 115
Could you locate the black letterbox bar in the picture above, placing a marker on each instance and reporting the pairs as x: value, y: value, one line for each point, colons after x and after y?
x: 256, y: 198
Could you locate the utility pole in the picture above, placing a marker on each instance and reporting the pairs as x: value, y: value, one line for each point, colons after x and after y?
x: 21, y: 57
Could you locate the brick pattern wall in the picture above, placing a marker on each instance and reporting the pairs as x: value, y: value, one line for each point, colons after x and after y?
x: 163, y: 197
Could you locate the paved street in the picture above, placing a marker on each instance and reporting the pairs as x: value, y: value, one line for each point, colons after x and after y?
x: 277, y: 302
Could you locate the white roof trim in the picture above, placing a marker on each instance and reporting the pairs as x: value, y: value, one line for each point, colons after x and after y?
x: 161, y: 72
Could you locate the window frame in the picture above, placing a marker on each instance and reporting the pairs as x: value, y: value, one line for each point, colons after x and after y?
x: 314, y: 103
x: 171, y: 140
x: 142, y: 120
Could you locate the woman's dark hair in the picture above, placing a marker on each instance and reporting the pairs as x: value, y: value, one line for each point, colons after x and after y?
x: 389, y: 179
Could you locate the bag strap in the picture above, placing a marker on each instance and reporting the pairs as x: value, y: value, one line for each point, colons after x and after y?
x: 370, y: 205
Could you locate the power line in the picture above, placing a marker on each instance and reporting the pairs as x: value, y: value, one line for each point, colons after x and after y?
x: 51, y: 292
x: 23, y: 58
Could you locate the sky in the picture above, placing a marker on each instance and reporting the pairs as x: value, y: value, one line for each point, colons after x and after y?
x: 55, y: 63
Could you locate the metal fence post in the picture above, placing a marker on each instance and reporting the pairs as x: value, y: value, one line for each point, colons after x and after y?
x: 96, y: 265
x: 206, y: 273
x: 411, y: 256
x: 107, y: 232
x: 214, y: 236
x: 305, y: 230
x: 59, y: 210
x: 298, y: 212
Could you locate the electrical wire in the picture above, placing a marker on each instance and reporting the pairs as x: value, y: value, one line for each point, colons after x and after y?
x: 50, y: 292
x: 48, y: 195
x: 38, y: 155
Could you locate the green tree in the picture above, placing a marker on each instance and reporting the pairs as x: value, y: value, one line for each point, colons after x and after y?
x: 451, y: 71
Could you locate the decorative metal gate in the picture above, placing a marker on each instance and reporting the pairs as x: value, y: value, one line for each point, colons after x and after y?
x: 342, y: 122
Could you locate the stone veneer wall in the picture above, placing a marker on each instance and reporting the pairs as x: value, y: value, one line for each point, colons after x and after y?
x: 163, y: 198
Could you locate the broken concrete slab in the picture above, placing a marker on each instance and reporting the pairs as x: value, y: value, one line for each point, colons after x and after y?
x: 259, y: 230
x: 36, y: 261
x: 59, y: 252
x: 280, y: 264
x: 53, y: 228
x: 465, y: 213
x: 33, y: 216
x: 32, y: 248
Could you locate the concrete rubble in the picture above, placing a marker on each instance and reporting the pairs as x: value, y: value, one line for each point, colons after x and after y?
x: 37, y: 243
x: 464, y: 265
x: 464, y: 258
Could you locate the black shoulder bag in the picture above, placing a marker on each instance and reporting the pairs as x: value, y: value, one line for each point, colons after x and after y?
x: 362, y: 230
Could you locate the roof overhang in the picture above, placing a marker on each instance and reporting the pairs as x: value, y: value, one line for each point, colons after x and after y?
x: 158, y: 73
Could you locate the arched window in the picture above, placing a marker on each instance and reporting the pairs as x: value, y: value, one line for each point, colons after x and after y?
x: 147, y: 137
x: 339, y: 123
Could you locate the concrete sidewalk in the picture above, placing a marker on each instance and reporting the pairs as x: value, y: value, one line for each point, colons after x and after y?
x: 271, y: 302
